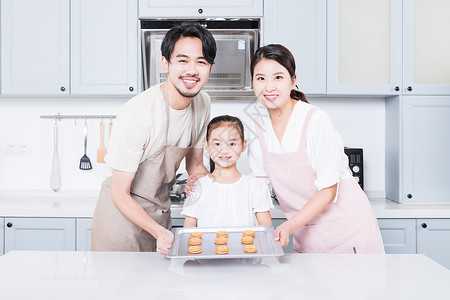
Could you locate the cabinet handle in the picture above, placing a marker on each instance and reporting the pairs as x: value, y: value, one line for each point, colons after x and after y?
x: 131, y: 88
x: 409, y: 196
x: 424, y: 225
x: 9, y: 224
x: 409, y: 88
x: 200, y: 11
x: 397, y: 88
x: 62, y: 89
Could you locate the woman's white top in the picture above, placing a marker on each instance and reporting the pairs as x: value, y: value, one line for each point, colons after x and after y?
x: 324, y: 146
x: 223, y: 205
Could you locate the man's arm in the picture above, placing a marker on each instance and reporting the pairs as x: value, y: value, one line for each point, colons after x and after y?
x: 120, y: 194
x: 194, y: 162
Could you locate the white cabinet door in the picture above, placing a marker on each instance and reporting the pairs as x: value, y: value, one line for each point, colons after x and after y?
x: 84, y: 234
x: 200, y: 8
x: 433, y: 239
x: 364, y: 47
x: 104, y: 48
x: 426, y: 47
x: 290, y: 247
x: 2, y: 234
x: 39, y: 234
x: 399, y: 235
x: 300, y: 26
x: 35, y: 47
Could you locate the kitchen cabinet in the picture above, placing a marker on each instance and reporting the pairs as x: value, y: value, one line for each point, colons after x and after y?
x: 64, y: 47
x: 364, y: 47
x: 290, y: 247
x: 39, y: 234
x: 426, y: 44
x: 83, y: 235
x: 200, y: 8
x: 433, y: 239
x: 399, y: 235
x: 417, y: 147
x: 2, y: 236
x: 305, y: 38
x: 34, y: 47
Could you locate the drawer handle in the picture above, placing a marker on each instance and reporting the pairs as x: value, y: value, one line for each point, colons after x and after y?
x: 424, y: 225
x: 9, y: 224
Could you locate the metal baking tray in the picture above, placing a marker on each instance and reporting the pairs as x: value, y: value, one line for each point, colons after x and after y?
x: 264, y: 240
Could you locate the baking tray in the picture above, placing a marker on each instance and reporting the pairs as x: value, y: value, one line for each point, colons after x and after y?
x: 264, y: 240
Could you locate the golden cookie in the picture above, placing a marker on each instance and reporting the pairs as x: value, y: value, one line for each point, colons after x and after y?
x: 247, y: 240
x: 196, y: 234
x: 222, y: 233
x: 221, y: 240
x: 194, y: 249
x: 248, y: 233
x: 222, y: 249
x: 250, y: 249
x: 195, y: 241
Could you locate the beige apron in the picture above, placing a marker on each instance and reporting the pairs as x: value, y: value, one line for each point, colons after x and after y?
x: 111, y: 230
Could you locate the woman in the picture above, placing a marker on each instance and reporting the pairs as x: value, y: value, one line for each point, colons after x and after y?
x: 302, y: 155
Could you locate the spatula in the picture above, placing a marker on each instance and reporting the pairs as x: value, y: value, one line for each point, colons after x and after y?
x: 85, y: 162
x: 55, y: 176
x: 101, y: 151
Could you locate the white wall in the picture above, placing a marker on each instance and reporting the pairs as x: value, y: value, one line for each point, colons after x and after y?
x: 359, y: 120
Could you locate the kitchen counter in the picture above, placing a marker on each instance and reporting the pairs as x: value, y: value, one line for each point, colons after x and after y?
x: 81, y: 204
x: 133, y: 275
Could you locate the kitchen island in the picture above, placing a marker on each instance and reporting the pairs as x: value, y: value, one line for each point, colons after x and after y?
x: 121, y: 275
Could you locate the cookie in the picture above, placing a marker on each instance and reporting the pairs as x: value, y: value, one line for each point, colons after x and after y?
x: 194, y: 249
x: 222, y: 249
x: 196, y: 234
x: 248, y: 233
x: 247, y: 240
x: 250, y: 249
x: 195, y: 241
x: 221, y: 240
x: 222, y: 233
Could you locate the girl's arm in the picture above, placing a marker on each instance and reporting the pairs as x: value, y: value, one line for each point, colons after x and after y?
x: 264, y: 218
x: 312, y: 208
x: 190, y: 222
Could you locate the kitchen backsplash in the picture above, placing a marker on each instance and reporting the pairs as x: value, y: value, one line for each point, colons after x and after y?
x: 360, y: 121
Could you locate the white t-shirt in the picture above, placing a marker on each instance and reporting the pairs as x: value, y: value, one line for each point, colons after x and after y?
x: 324, y: 146
x: 221, y: 205
x: 141, y: 125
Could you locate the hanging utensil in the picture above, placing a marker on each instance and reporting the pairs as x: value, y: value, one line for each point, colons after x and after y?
x: 101, y: 151
x: 55, y: 175
x: 110, y: 127
x: 85, y: 162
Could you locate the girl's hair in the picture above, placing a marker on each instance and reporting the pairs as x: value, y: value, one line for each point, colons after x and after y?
x: 284, y: 57
x: 225, y: 120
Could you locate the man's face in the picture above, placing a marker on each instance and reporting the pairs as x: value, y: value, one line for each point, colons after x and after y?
x: 188, y: 71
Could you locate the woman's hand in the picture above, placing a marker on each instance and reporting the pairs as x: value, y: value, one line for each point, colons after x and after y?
x: 282, y: 233
x: 164, y: 241
x: 190, y: 185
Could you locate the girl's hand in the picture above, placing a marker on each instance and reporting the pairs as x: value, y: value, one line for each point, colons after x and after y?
x: 282, y: 233
x: 190, y: 185
x: 164, y: 241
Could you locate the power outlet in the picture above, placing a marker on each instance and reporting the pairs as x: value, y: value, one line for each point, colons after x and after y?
x: 19, y: 150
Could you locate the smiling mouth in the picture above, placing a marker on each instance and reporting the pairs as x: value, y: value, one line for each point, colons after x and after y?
x: 270, y: 97
x: 224, y: 157
x: 189, y: 83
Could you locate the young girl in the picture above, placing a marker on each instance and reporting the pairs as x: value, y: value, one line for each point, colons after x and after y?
x: 226, y: 197
x: 302, y: 155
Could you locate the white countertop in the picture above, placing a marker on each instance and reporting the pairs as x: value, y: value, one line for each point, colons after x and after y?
x: 81, y: 204
x: 133, y: 275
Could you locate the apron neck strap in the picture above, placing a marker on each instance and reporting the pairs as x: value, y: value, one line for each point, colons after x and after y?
x: 302, y: 144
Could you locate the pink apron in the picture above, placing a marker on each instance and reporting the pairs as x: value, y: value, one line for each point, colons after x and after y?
x: 344, y: 226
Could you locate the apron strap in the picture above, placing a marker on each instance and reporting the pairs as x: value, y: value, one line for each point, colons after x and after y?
x: 260, y: 134
x: 302, y: 144
x: 167, y: 110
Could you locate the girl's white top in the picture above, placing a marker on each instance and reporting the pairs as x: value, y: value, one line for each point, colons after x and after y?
x: 324, y: 146
x: 226, y: 205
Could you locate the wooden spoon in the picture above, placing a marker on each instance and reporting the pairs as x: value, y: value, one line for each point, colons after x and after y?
x: 101, y: 151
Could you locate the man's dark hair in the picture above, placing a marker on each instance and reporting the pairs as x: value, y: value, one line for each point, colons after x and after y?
x: 190, y: 29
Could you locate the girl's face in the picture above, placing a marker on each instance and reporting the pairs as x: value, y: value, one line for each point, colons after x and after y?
x: 225, y: 146
x: 272, y: 84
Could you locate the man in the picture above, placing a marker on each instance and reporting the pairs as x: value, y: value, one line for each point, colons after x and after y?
x: 153, y: 132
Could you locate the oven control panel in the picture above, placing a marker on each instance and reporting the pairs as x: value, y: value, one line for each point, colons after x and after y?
x: 355, y: 162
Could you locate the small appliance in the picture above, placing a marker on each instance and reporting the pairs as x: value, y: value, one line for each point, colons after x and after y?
x: 355, y: 162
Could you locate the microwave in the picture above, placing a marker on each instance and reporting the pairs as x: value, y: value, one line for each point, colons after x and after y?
x: 236, y: 40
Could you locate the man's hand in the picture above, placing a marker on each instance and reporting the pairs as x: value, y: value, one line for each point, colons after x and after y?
x: 164, y: 241
x: 190, y: 185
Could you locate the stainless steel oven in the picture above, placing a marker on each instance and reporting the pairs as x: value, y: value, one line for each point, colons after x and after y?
x: 236, y: 40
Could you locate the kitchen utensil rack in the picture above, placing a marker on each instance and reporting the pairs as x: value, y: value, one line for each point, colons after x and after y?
x: 75, y: 117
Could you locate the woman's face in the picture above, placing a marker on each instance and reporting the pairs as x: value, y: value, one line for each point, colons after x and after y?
x: 225, y: 146
x: 272, y: 84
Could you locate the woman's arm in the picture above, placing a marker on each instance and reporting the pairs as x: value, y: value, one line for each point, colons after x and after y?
x: 312, y: 208
x: 264, y: 218
x: 190, y: 222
